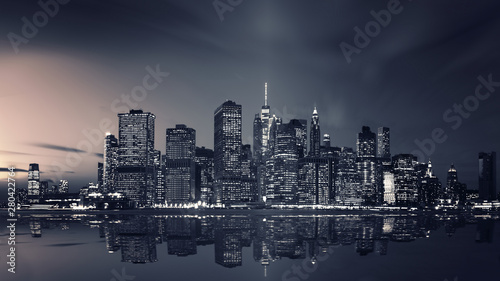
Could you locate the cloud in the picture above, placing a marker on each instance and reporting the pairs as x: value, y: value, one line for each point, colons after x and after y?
x: 63, y: 148
x: 15, y: 170
x: 14, y: 152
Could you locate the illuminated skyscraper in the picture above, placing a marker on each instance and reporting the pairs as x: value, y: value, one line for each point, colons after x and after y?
x: 249, y: 191
x: 227, y: 152
x: 63, y: 186
x: 406, y: 179
x: 33, y: 183
x: 300, y: 128
x: 205, y: 158
x: 315, y: 139
x: 430, y: 188
x: 367, y: 167
x: 487, y: 176
x: 180, y: 165
x: 110, y: 163
x: 282, y: 166
x: 261, y: 126
x: 384, y: 143
x: 135, y: 172
x: 100, y: 174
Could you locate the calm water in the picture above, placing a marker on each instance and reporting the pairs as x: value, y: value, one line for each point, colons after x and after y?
x: 254, y: 247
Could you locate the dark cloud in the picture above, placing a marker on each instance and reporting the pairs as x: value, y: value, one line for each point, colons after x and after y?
x: 63, y: 148
x: 15, y: 170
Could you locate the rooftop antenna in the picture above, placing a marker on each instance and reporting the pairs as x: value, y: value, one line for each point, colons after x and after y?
x: 265, y: 100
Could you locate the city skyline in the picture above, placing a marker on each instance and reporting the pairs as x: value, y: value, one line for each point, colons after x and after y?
x: 407, y: 89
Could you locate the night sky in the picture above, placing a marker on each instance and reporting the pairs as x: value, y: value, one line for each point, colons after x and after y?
x: 62, y: 82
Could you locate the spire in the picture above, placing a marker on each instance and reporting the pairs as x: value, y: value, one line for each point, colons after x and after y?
x: 315, y: 111
x: 265, y: 95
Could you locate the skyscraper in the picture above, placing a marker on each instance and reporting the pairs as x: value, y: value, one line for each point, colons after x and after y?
x: 300, y: 128
x: 180, y: 165
x: 33, y: 183
x: 430, y: 187
x: 384, y: 143
x: 368, y: 167
x: 135, y: 172
x: 63, y: 186
x: 227, y: 152
x: 249, y: 191
x: 406, y: 180
x: 282, y: 166
x: 261, y: 126
x: 205, y: 159
x: 487, y: 176
x: 100, y: 174
x: 315, y: 139
x: 110, y: 163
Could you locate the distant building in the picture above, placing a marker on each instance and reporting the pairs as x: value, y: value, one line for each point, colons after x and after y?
x: 406, y: 180
x: 347, y: 182
x: 369, y: 168
x: 110, y: 164
x: 430, y: 188
x: 315, y: 181
x: 455, y: 190
x: 383, y: 143
x: 389, y: 189
x: 227, y: 152
x: 135, y: 171
x: 100, y: 174
x: 34, y: 183
x: 204, y: 157
x: 315, y: 132
x: 63, y: 187
x: 180, y: 169
x: 487, y: 176
x: 249, y: 192
x: 261, y: 127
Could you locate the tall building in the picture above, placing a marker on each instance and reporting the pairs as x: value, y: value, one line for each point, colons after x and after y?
x: 204, y: 157
x: 369, y: 168
x: 389, y: 190
x: 249, y: 192
x: 315, y: 139
x: 180, y: 167
x: 63, y: 187
x: 347, y: 179
x: 383, y: 143
x: 34, y: 183
x: 430, y: 188
x: 135, y: 171
x: 282, y: 166
x: 487, y: 176
x: 315, y: 180
x: 300, y: 128
x: 406, y: 180
x: 110, y: 164
x: 100, y: 174
x: 227, y: 152
x: 262, y: 124
x: 159, y: 171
